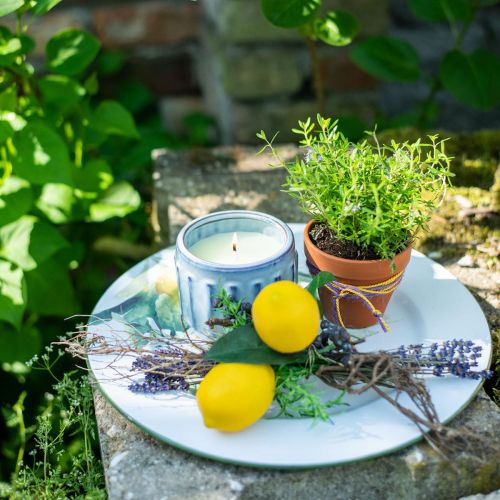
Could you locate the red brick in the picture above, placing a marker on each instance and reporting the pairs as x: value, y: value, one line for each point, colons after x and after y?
x: 147, y: 23
x: 340, y: 73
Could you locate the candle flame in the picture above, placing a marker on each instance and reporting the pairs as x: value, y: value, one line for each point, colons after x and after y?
x: 235, y: 242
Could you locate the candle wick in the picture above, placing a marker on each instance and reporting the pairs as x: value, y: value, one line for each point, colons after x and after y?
x: 234, y: 247
x: 235, y: 242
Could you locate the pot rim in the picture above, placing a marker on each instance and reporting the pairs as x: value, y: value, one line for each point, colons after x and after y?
x: 366, y: 262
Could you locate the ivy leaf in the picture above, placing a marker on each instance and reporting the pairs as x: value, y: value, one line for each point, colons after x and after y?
x: 28, y: 241
x: 8, y: 6
x: 289, y: 13
x: 321, y: 279
x: 442, y: 10
x: 43, y: 6
x: 119, y: 200
x: 387, y: 58
x: 42, y: 156
x: 93, y: 178
x: 50, y: 291
x: 19, y: 346
x: 10, y: 47
x: 10, y: 123
x: 8, y: 99
x: 71, y: 51
x: 12, y: 293
x: 473, y: 79
x: 112, y: 118
x: 56, y: 202
x: 243, y: 345
x: 61, y: 91
x: 15, y: 199
x: 337, y: 28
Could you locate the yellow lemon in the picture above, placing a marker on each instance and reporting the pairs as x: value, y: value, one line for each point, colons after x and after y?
x: 233, y: 396
x: 286, y: 316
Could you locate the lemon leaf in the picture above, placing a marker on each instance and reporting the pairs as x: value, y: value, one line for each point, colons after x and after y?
x: 243, y: 345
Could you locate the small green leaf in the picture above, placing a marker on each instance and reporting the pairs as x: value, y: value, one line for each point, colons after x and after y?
x: 289, y: 13
x: 442, y: 10
x: 19, y: 346
x: 8, y: 6
x: 93, y: 178
x: 28, y: 241
x: 321, y: 279
x: 110, y: 62
x: 71, y: 51
x: 112, y: 118
x: 16, y: 199
x: 43, y: 6
x: 56, y: 202
x: 10, y: 123
x: 10, y: 47
x: 337, y: 28
x: 243, y: 345
x: 61, y: 91
x: 42, y: 156
x: 8, y: 99
x: 12, y: 293
x: 50, y: 291
x: 473, y: 79
x: 119, y: 200
x: 387, y: 58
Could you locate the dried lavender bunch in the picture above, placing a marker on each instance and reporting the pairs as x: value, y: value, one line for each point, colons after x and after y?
x: 168, y: 371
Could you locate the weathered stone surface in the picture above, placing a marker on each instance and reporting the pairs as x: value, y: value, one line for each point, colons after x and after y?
x: 242, y: 21
x: 147, y: 23
x: 139, y: 467
x: 254, y: 72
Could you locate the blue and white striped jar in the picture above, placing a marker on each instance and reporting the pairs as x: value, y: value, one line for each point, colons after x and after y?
x: 199, y: 281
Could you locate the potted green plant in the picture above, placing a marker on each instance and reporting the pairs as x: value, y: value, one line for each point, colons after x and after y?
x: 367, y: 202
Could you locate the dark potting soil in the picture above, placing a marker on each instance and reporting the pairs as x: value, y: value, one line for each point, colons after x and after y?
x: 323, y: 238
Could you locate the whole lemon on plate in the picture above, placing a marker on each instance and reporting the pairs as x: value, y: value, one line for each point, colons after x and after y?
x: 286, y: 316
x: 233, y: 396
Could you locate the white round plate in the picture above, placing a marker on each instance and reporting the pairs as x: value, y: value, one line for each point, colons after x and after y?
x: 430, y: 305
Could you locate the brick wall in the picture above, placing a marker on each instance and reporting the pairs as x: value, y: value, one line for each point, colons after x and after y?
x: 222, y: 57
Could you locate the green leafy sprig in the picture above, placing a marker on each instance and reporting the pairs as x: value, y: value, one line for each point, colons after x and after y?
x: 375, y: 196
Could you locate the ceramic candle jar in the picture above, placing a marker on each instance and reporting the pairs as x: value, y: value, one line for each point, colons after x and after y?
x: 238, y: 250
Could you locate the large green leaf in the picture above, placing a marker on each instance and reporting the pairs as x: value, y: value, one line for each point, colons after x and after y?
x: 289, y: 13
x: 243, y: 345
x: 10, y: 123
x: 442, y: 10
x: 19, y: 345
x: 50, y: 291
x: 473, y: 79
x: 119, y: 200
x: 15, y: 199
x: 10, y: 47
x: 56, y: 202
x: 12, y: 293
x: 336, y: 28
x: 8, y: 99
x: 28, y: 241
x: 387, y: 58
x: 61, y: 91
x: 8, y: 6
x: 42, y: 156
x: 112, y: 118
x: 321, y: 279
x: 93, y: 178
x: 71, y: 51
x: 43, y: 6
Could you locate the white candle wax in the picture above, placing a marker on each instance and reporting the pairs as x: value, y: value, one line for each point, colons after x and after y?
x: 247, y: 247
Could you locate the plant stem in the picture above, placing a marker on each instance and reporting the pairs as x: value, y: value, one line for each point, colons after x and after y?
x: 319, y: 88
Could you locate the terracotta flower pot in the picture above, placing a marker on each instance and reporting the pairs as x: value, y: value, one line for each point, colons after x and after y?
x: 354, y: 312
